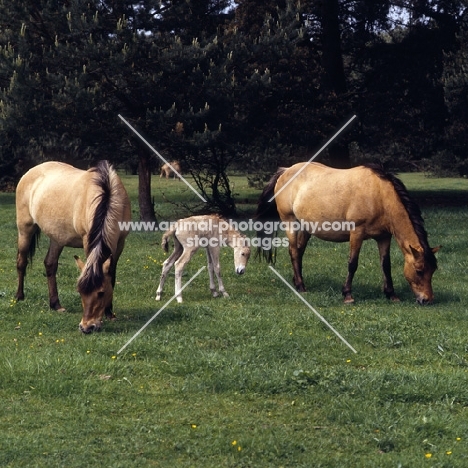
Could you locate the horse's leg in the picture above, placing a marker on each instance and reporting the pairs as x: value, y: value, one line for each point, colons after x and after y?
x: 51, y: 265
x: 167, y: 265
x: 355, y: 244
x: 217, y: 270
x: 25, y: 237
x: 384, y: 251
x: 297, y: 245
x: 179, y: 269
x: 109, y: 310
x: 209, y: 258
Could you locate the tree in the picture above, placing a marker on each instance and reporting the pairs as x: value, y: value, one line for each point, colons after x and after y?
x: 455, y: 80
x: 90, y: 62
x: 400, y: 73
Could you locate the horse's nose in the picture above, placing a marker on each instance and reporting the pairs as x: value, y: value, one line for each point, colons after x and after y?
x: 89, y: 329
x: 424, y: 301
x: 240, y: 270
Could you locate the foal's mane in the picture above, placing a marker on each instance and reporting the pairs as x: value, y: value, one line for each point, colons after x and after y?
x: 106, y: 205
x: 411, y: 208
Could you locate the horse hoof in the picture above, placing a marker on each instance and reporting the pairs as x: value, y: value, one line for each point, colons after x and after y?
x: 61, y: 309
x: 395, y: 299
x: 349, y: 300
x: 158, y: 297
x: 214, y: 293
x: 225, y: 294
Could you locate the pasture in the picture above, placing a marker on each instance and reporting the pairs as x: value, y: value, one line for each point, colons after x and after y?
x: 253, y: 380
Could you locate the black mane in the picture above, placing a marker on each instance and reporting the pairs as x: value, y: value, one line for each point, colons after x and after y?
x: 93, y: 276
x: 411, y: 208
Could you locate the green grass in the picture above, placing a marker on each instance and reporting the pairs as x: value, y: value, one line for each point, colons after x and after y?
x: 254, y: 380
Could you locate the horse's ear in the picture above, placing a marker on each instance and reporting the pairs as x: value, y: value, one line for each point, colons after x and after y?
x: 417, y: 253
x: 107, y: 264
x: 436, y: 249
x: 79, y: 262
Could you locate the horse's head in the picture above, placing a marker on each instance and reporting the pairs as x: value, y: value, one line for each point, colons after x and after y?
x: 241, y: 257
x: 96, y: 301
x: 418, y: 270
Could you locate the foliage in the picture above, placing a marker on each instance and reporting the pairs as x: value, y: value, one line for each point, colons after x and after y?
x: 456, y: 99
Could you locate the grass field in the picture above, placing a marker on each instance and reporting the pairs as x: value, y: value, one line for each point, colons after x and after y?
x: 254, y: 380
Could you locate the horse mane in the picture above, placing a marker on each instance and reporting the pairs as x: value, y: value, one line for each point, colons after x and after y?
x: 107, y: 204
x: 411, y: 208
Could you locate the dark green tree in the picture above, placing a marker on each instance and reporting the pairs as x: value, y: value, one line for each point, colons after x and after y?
x: 400, y: 77
x: 455, y: 80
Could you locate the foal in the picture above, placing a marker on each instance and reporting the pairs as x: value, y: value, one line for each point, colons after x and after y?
x: 211, y: 232
x: 169, y: 169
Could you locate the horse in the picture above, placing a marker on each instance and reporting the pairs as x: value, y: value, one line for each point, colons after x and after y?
x: 313, y: 197
x: 170, y: 168
x: 211, y: 232
x: 74, y: 208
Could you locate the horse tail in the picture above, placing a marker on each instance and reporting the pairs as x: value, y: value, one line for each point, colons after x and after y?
x: 267, y: 211
x: 165, y: 238
x: 33, y: 244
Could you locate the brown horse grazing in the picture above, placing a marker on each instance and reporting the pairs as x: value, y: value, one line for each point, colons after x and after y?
x: 210, y: 232
x: 74, y: 208
x: 168, y: 169
x: 375, y: 202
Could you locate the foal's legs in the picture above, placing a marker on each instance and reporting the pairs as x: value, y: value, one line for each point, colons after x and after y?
x: 355, y: 244
x: 187, y: 254
x: 384, y: 251
x: 51, y: 265
x: 167, y: 265
x: 297, y: 245
x: 213, y: 266
x: 211, y: 272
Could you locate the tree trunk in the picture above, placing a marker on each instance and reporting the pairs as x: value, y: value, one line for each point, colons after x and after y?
x: 144, y: 188
x: 334, y: 79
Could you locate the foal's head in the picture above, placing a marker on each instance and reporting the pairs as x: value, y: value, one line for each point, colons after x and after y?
x: 241, y: 257
x: 96, y: 300
x: 418, y: 270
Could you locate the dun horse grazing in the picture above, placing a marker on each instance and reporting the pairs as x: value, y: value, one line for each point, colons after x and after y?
x: 376, y: 202
x: 168, y: 169
x: 211, y: 232
x: 74, y: 208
